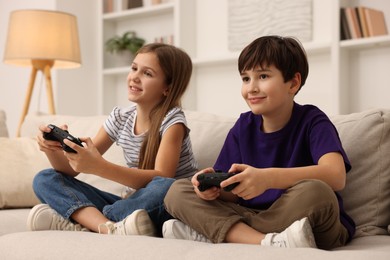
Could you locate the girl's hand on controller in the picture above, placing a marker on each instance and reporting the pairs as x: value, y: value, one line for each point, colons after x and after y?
x: 87, y: 159
x: 48, y: 145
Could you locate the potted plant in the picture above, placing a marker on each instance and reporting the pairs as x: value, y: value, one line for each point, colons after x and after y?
x: 124, y: 47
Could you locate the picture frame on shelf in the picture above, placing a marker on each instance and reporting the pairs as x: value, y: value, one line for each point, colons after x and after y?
x: 284, y: 17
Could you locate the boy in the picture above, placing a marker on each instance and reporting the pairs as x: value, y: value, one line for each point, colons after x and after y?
x: 289, y: 163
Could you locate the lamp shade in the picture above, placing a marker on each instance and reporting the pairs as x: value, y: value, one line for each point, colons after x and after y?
x: 42, y: 35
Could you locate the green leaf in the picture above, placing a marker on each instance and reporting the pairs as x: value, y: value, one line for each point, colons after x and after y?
x: 128, y: 41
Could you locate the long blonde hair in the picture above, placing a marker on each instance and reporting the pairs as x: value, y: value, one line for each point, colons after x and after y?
x: 177, y: 67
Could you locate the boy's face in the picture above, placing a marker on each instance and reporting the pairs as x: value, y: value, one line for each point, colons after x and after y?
x: 265, y: 91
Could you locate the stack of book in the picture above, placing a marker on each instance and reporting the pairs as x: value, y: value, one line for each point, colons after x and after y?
x: 360, y: 22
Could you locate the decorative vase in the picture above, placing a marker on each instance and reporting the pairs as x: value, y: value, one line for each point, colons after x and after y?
x: 122, y: 58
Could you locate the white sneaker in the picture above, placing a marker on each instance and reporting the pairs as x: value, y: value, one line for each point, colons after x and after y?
x: 42, y: 217
x: 298, y: 234
x: 137, y: 223
x: 175, y: 229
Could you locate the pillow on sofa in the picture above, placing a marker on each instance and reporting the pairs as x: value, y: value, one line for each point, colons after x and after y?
x: 366, y: 140
x: 20, y: 160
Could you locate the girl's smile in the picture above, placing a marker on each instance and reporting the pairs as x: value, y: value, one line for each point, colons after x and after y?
x: 134, y: 89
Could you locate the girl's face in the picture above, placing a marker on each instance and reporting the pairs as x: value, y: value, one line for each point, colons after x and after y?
x: 146, y: 80
x: 265, y: 91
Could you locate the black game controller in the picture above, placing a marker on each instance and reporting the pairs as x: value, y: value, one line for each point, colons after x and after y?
x: 208, y: 180
x: 57, y: 134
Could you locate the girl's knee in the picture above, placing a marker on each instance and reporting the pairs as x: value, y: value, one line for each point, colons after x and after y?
x: 42, y: 179
x: 162, y: 182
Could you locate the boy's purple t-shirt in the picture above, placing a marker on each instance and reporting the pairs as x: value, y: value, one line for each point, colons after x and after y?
x: 307, y: 136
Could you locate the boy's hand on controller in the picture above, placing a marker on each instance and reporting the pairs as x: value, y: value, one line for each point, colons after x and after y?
x: 87, y: 159
x: 209, y: 194
x: 253, y: 181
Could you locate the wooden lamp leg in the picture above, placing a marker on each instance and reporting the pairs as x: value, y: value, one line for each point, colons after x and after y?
x: 49, y: 90
x: 27, y: 99
x: 44, y: 66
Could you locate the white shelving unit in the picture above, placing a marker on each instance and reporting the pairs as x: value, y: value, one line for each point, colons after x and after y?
x: 364, y: 65
x: 170, y: 18
x: 345, y: 76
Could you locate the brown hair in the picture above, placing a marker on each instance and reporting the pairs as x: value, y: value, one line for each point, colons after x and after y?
x: 285, y: 53
x: 177, y: 68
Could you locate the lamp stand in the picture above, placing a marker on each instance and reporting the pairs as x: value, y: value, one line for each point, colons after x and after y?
x: 44, y: 66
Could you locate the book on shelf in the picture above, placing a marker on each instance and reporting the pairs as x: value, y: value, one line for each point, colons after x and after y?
x: 360, y: 21
x: 108, y: 6
x: 344, y: 29
x: 376, y: 23
x: 129, y: 4
x: 353, y: 23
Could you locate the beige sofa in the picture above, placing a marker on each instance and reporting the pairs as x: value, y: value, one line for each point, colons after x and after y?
x: 366, y: 138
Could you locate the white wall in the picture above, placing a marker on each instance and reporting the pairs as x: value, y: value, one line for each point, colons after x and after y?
x: 74, y: 85
x: 77, y: 88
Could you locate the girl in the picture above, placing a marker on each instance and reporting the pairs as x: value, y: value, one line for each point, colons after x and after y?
x: 155, y: 139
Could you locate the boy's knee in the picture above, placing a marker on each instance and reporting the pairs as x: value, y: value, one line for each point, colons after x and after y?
x: 320, y: 187
x: 175, y: 192
x: 319, y: 191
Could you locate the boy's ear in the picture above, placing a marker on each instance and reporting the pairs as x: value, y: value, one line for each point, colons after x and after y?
x: 295, y: 83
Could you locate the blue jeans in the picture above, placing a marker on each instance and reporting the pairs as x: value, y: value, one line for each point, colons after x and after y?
x: 66, y: 194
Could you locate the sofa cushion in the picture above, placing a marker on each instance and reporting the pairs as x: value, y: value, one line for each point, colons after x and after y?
x: 48, y: 245
x: 13, y: 220
x: 20, y: 160
x: 366, y: 139
x: 208, y: 133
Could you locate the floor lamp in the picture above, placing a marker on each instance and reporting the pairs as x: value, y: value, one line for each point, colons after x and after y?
x: 42, y: 39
